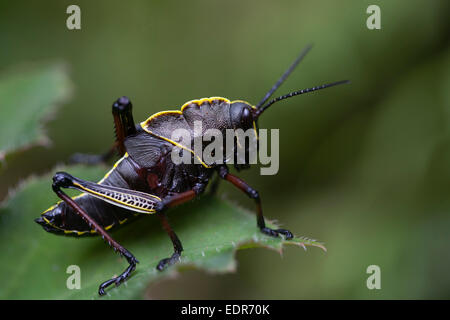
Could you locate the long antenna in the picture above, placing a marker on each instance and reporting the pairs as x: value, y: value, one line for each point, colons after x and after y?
x: 296, y: 93
x: 285, y: 75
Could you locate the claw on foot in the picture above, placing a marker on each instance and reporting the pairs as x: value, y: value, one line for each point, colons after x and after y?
x: 275, y: 232
x: 168, y: 261
x: 117, y: 280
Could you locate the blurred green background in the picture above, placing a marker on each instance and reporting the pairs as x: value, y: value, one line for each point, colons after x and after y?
x: 363, y: 167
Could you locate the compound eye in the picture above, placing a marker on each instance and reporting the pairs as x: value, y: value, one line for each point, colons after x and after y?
x: 246, y: 118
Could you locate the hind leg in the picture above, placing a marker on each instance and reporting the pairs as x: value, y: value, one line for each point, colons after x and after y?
x: 132, y: 200
x: 124, y: 127
x: 129, y: 199
x: 132, y: 261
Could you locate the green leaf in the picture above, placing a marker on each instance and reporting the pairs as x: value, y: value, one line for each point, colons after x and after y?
x: 28, y: 96
x: 35, y: 262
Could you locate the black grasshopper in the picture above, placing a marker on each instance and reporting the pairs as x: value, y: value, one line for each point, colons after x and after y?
x: 146, y: 180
